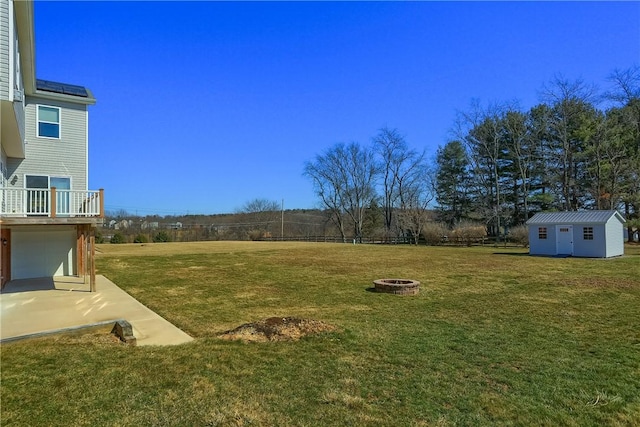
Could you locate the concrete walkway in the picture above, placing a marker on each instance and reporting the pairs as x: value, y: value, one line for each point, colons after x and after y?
x: 36, y: 306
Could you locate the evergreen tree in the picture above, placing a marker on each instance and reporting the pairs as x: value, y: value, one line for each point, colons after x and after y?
x: 452, y: 182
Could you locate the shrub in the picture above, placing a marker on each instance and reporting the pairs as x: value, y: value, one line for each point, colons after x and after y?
x: 140, y: 238
x: 519, y: 235
x: 99, y: 237
x: 434, y: 233
x: 467, y: 232
x: 161, y: 237
x: 117, y: 238
x: 256, y: 234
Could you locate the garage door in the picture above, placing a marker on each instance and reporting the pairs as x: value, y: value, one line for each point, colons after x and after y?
x: 42, y: 253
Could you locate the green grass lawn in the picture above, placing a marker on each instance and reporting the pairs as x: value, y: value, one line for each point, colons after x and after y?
x: 495, y: 337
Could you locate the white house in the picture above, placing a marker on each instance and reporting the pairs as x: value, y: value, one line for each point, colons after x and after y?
x: 48, y: 215
x: 592, y: 234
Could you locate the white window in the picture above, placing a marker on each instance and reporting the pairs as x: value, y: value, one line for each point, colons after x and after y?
x: 48, y: 122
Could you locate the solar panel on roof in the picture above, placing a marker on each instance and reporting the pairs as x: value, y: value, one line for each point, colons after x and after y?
x: 49, y: 86
x: 67, y: 89
x: 74, y: 90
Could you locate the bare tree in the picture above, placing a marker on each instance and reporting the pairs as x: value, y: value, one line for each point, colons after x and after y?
x: 259, y: 214
x: 119, y: 213
x: 325, y: 175
x: 343, y: 178
x: 416, y: 198
x: 399, y: 169
x: 259, y: 205
x: 626, y: 85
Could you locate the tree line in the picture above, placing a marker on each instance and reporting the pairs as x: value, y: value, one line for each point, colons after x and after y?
x: 577, y: 149
x: 257, y: 219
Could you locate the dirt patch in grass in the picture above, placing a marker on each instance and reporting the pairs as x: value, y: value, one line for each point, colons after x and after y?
x: 277, y: 329
x: 103, y: 337
x: 603, y: 282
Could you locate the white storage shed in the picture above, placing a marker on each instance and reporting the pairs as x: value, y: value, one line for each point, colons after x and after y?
x: 591, y: 234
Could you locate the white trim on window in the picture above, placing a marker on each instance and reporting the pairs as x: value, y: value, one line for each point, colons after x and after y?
x: 38, y: 121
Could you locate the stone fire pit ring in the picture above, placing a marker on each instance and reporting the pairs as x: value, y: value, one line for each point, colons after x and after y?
x: 397, y: 286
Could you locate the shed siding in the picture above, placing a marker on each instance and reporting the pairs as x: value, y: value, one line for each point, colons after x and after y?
x: 55, y: 157
x: 542, y: 246
x: 4, y: 49
x: 589, y: 248
x: 614, y: 238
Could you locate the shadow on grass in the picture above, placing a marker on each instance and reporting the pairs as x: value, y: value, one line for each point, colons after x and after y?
x: 512, y: 253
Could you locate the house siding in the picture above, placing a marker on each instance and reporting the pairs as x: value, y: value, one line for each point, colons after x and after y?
x: 54, y: 157
x: 4, y: 49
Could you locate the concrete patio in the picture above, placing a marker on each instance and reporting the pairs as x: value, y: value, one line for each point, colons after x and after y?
x: 34, y: 307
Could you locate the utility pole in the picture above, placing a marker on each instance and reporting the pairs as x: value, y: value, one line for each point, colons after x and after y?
x: 282, y: 222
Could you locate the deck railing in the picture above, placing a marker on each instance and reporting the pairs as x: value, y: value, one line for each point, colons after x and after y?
x: 51, y: 202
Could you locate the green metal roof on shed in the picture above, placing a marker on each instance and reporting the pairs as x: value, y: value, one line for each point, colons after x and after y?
x: 574, y: 217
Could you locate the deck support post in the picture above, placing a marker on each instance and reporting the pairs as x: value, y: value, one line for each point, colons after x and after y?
x: 81, y: 250
x: 92, y: 259
x: 52, y: 204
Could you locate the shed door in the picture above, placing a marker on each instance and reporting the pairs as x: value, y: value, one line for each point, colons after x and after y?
x: 564, y: 239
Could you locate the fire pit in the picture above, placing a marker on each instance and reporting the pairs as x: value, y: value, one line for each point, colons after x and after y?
x: 397, y: 286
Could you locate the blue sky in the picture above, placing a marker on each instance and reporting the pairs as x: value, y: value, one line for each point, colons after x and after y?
x: 203, y: 106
